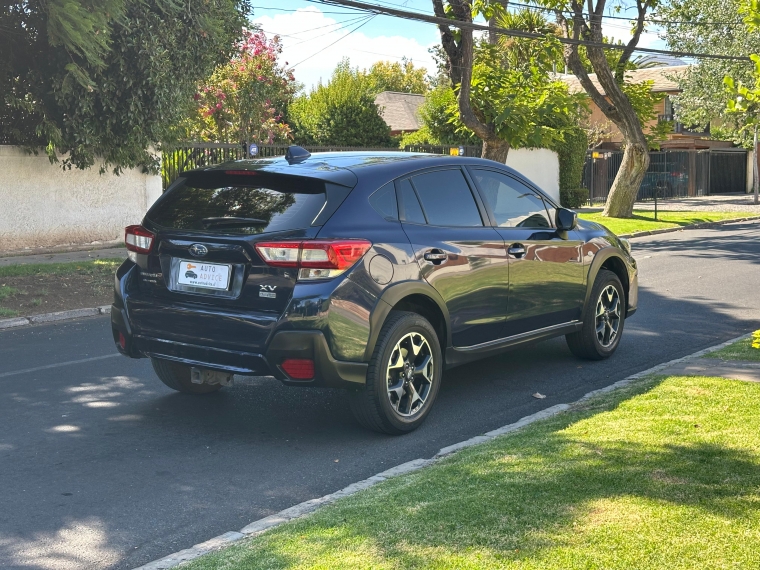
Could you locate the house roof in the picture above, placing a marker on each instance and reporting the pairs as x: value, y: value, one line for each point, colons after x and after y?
x: 400, y: 110
x: 661, y: 76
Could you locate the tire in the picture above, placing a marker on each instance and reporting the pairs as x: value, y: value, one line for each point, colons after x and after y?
x: 177, y: 377
x: 397, y: 411
x: 586, y: 343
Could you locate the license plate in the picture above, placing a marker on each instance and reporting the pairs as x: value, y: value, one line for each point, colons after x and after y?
x: 204, y: 275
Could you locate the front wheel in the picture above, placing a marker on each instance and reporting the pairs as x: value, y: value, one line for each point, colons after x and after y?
x: 403, y: 377
x: 603, y: 321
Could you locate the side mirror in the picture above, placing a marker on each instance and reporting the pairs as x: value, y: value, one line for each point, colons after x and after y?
x: 565, y: 219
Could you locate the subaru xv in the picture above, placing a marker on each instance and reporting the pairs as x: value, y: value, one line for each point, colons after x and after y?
x: 368, y: 271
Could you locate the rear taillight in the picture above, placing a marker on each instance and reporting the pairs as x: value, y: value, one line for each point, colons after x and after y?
x: 317, y: 259
x: 138, y: 240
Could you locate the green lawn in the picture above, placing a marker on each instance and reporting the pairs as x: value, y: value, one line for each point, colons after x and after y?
x: 664, y: 474
x: 643, y: 220
x: 740, y: 350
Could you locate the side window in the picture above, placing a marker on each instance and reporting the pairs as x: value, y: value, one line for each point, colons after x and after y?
x: 446, y: 198
x: 384, y: 201
x: 513, y: 204
x: 410, y: 206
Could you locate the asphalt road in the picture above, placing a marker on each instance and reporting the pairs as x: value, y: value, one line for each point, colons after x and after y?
x: 101, y: 466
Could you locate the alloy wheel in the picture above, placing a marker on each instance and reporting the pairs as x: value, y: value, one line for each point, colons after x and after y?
x: 410, y: 374
x: 608, y: 316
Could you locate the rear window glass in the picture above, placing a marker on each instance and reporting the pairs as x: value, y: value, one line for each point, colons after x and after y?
x: 236, y: 209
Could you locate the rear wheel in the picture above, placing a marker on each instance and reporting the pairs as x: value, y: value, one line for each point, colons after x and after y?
x: 403, y: 378
x: 604, y: 320
x: 177, y: 377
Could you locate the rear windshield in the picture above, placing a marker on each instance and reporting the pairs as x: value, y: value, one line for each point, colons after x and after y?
x: 237, y: 208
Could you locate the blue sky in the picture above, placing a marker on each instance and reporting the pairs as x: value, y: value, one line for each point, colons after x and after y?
x: 308, y: 29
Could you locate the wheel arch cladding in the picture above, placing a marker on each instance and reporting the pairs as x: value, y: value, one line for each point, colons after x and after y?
x: 415, y: 297
x: 610, y: 259
x: 426, y: 307
x: 617, y: 266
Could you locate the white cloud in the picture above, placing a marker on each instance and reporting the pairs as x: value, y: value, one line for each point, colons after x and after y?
x: 307, y: 31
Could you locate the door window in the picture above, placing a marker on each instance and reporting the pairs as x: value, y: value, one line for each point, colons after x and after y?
x: 446, y: 198
x: 512, y: 203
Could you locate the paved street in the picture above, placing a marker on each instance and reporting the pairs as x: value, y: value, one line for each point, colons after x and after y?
x: 101, y: 466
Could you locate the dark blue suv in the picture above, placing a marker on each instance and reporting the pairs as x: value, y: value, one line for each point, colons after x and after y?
x: 367, y: 271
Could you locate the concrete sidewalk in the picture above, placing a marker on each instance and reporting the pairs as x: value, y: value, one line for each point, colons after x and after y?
x: 64, y: 257
x: 735, y: 369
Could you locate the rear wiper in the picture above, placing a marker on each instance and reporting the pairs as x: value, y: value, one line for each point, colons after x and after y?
x: 232, y: 221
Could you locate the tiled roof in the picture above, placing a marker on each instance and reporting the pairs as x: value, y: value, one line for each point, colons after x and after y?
x: 661, y: 76
x: 400, y: 110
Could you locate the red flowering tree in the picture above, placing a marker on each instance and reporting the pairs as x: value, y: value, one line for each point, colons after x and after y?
x: 245, y: 100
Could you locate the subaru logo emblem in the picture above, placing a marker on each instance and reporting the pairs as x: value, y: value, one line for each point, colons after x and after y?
x: 198, y: 250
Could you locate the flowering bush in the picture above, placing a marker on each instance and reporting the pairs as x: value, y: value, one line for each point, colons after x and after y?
x: 244, y: 100
x: 756, y: 339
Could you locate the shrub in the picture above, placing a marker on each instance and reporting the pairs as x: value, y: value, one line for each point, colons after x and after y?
x: 573, y: 198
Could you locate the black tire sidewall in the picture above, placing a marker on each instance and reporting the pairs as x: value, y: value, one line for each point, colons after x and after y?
x: 407, y: 324
x: 604, y: 279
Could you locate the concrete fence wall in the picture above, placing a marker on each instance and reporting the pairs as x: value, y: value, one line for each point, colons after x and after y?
x: 43, y: 206
x: 539, y: 165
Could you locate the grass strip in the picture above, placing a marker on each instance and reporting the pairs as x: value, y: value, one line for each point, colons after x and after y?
x: 643, y: 220
x: 740, y: 350
x: 68, y: 268
x: 662, y: 474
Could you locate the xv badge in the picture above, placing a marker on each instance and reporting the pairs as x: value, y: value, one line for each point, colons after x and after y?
x: 267, y: 291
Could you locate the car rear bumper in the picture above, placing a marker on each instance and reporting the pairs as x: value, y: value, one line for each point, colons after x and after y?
x: 285, y: 344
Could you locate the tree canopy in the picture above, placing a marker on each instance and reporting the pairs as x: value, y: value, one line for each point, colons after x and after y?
x: 340, y: 112
x: 107, y: 78
x: 245, y: 99
x: 402, y: 77
x: 710, y: 26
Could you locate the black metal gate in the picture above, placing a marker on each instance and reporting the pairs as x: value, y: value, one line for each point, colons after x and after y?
x: 671, y: 173
x: 188, y: 156
x: 728, y: 172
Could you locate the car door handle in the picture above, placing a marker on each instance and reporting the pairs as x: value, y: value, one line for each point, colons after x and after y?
x: 436, y: 256
x: 516, y: 250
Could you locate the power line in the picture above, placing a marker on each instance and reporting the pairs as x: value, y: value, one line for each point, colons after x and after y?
x: 408, y: 15
x: 335, y: 42
x: 297, y: 9
x: 654, y: 21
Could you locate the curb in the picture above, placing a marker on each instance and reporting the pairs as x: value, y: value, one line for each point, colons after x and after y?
x: 52, y: 317
x: 689, y: 227
x: 297, y: 511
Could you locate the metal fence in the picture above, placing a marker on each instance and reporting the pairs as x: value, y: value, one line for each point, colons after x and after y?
x: 671, y: 173
x: 188, y: 156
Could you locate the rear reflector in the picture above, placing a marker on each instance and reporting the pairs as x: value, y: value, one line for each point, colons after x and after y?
x: 316, y: 259
x: 122, y: 341
x: 299, y: 368
x: 138, y: 239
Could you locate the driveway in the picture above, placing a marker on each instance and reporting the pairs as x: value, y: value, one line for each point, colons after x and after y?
x: 101, y: 466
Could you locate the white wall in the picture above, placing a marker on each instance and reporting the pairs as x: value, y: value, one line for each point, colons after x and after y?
x: 539, y: 165
x: 41, y: 205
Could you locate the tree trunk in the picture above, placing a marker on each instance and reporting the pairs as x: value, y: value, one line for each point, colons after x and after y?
x: 495, y: 149
x: 627, y: 182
